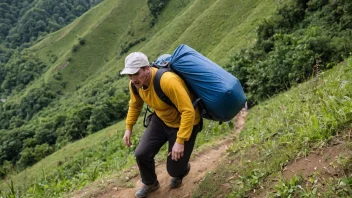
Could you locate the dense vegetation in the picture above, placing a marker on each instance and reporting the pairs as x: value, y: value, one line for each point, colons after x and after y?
x: 300, y: 39
x: 155, y: 7
x: 19, y: 71
x: 22, y: 143
x: 99, y: 106
x: 22, y: 23
x: 310, y: 118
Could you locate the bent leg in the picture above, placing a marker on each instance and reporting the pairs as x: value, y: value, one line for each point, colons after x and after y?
x: 151, y: 141
x: 179, y: 168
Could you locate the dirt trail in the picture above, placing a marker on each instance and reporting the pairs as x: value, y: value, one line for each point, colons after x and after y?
x: 201, y: 164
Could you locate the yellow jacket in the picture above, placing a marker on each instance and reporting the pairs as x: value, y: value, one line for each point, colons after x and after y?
x: 184, y: 117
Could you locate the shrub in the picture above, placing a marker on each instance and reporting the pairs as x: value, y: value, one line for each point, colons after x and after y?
x: 301, y: 35
x: 75, y: 48
x: 82, y: 41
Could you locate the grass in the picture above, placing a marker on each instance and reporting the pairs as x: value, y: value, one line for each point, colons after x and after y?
x: 210, y: 26
x: 278, y: 131
x: 179, y: 23
x: 103, y: 30
x: 215, y: 28
x: 67, y: 153
x: 93, y: 157
x: 222, y: 28
x: 284, y: 128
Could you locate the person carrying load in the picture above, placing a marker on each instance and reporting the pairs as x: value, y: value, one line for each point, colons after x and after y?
x: 176, y: 124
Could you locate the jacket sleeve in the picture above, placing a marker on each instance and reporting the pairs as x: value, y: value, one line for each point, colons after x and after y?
x: 134, y: 108
x: 176, y: 90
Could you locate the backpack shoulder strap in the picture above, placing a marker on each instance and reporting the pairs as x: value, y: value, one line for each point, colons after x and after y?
x: 158, y: 89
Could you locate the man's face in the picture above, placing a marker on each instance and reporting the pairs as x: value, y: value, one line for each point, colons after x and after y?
x: 142, y: 77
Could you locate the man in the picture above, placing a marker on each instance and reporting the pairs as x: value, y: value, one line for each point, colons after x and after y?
x: 178, y: 125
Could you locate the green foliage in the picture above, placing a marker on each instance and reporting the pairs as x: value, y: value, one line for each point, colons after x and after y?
x: 106, y: 154
x: 5, y: 55
x: 12, y: 144
x: 6, y: 168
x: 287, y: 127
x: 30, y: 155
x: 13, y: 193
x: 125, y: 48
x: 22, y: 23
x: 19, y: 71
x: 26, y: 21
x: 82, y: 41
x: 75, y: 48
x: 289, y: 188
x: 103, y: 100
x: 290, y: 125
x: 155, y: 8
x: 103, y: 106
x: 302, y: 38
x: 37, y: 99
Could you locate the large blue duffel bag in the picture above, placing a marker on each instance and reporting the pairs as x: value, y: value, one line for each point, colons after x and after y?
x: 220, y: 95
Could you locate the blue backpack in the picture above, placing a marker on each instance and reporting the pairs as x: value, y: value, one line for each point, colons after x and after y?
x: 219, y: 95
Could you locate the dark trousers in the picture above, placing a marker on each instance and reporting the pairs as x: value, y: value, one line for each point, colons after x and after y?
x: 153, y: 138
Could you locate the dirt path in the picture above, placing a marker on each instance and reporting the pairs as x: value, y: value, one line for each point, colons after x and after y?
x: 201, y: 164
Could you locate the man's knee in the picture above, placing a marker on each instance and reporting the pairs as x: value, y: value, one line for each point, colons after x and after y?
x: 175, y: 169
x: 140, y: 154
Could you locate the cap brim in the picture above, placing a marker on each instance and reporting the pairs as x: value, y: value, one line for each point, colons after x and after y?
x: 129, y: 71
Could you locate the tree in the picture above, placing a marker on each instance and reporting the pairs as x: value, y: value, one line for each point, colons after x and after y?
x: 27, y: 158
x: 10, y: 148
x: 40, y: 25
x: 41, y: 151
x: 99, y: 118
x: 44, y: 135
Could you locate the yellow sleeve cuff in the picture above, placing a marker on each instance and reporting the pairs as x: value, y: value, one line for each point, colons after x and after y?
x: 180, y: 141
x: 129, y: 127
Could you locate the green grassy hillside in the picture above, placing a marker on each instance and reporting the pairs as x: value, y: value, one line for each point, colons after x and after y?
x: 83, y: 61
x: 107, y: 30
x: 82, y: 84
x: 81, y: 92
x: 310, y: 119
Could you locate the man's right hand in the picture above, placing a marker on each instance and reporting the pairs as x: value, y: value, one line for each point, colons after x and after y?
x: 127, y: 138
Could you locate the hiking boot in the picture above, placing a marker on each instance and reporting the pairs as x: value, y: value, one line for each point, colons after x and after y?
x: 146, y: 189
x: 177, y: 181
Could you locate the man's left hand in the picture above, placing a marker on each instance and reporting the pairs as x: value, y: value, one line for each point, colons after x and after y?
x: 177, y: 151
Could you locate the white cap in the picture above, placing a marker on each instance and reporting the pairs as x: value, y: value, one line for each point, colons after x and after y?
x: 134, y: 61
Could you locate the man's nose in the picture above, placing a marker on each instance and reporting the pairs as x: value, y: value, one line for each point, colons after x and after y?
x: 133, y: 79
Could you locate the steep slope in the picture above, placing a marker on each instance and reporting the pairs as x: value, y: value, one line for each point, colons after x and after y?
x: 85, y: 57
x: 287, y: 131
x: 108, y: 30
x: 24, y: 23
x: 84, y: 60
x: 126, y: 182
